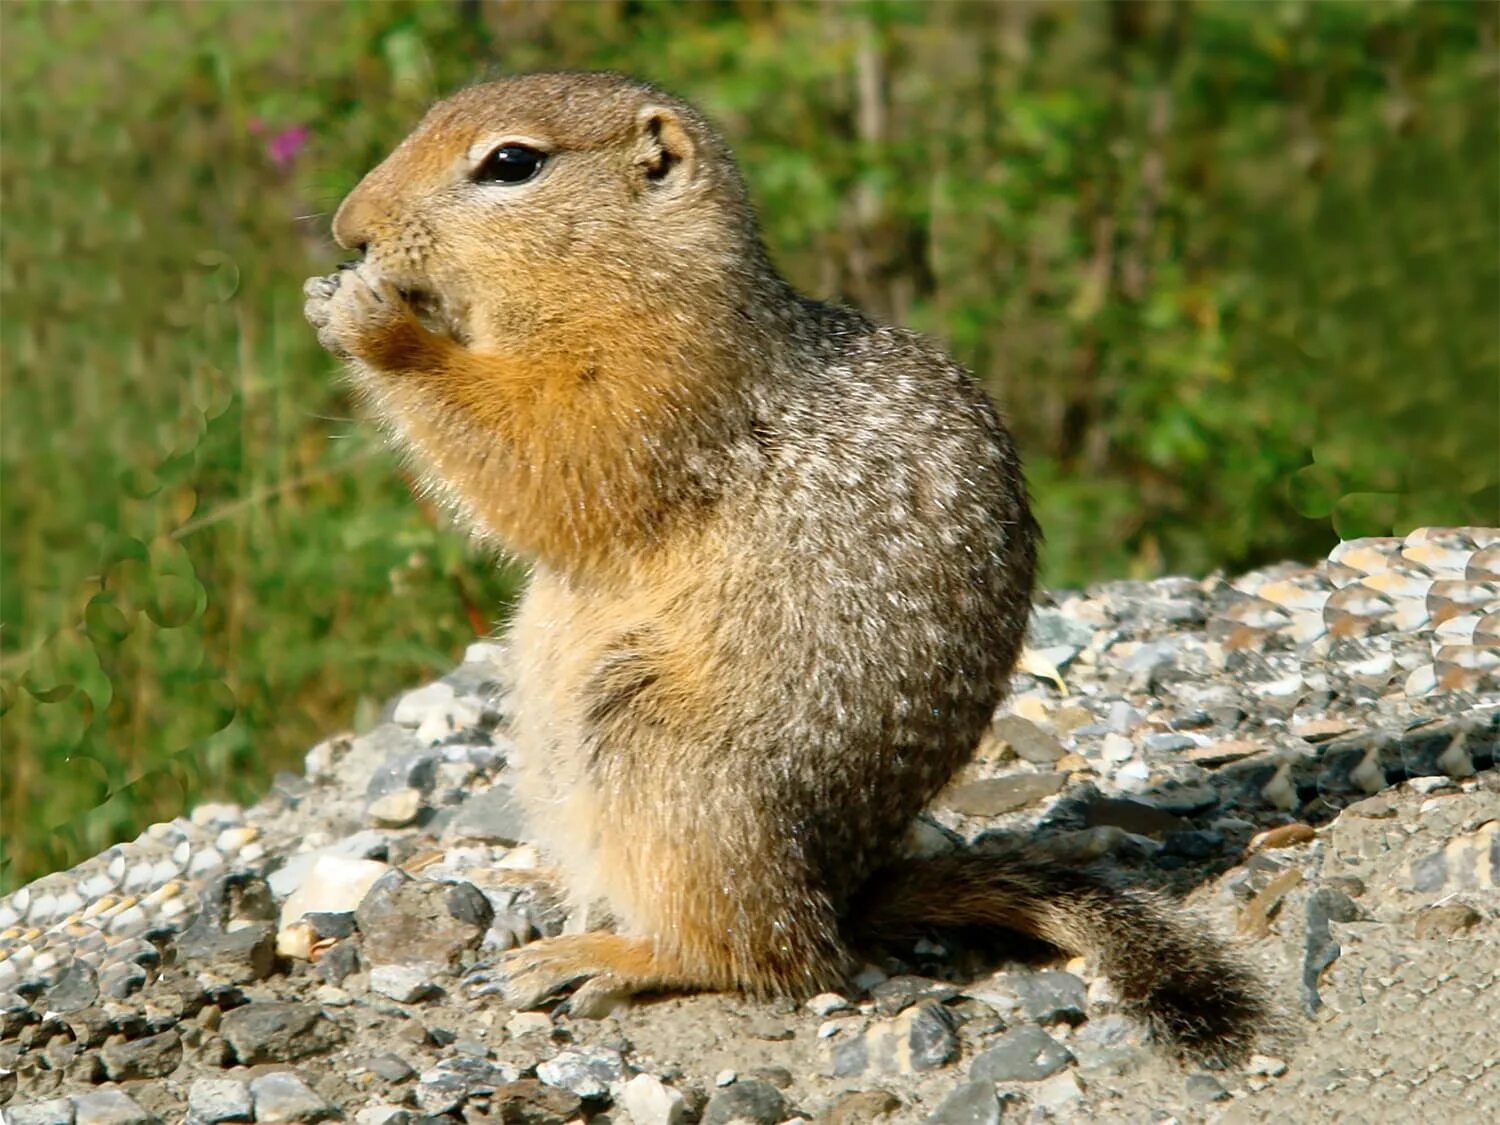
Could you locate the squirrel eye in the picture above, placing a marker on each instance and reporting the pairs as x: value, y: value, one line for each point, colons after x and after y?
x: 509, y: 164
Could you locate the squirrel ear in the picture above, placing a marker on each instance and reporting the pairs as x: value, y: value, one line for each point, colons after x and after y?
x: 664, y: 150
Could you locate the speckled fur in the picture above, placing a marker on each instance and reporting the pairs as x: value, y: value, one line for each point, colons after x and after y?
x: 782, y: 556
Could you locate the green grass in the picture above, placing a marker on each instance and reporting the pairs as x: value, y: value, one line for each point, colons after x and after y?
x: 1229, y: 268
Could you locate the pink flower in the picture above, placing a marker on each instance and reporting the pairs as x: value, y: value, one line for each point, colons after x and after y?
x: 285, y: 145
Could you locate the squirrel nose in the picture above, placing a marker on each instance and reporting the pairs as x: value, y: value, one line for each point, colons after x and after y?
x: 353, y: 223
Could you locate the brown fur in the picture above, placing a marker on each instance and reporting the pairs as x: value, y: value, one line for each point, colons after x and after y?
x: 782, y: 556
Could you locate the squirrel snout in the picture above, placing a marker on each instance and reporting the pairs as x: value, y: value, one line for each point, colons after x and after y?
x: 353, y: 223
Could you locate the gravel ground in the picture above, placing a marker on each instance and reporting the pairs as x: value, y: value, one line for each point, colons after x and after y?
x: 1305, y: 754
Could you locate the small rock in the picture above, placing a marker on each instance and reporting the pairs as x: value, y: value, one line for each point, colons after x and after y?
x: 1043, y: 997
x: 1202, y: 1087
x: 649, y: 1101
x: 395, y: 810
x: 523, y: 1024
x: 1133, y: 816
x: 750, y: 1102
x: 57, y: 1111
x: 973, y: 1103
x: 586, y: 1072
x: 1057, y: 1091
x: 1449, y: 920
x: 493, y: 817
x: 406, y: 984
x: 270, y: 1031
x: 918, y: 1040
x: 1029, y: 741
x: 995, y: 795
x: 528, y: 1102
x: 109, y: 1107
x: 1111, y: 1044
x: 826, y: 1003
x: 383, y: 1113
x: 391, y: 1068
x: 894, y: 996
x: 859, y: 1107
x: 282, y: 1096
x: 152, y: 1057
x: 1267, y: 1065
x: 415, y: 707
x: 405, y: 920
x: 1026, y: 1054
x: 1168, y: 742
x: 120, y: 980
x: 212, y: 1100
x: 337, y: 962
x: 76, y: 989
x: 334, y: 884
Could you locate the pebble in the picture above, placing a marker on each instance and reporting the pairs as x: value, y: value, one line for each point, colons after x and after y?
x: 415, y: 707
x: 109, y: 1107
x: 493, y: 816
x: 587, y: 1072
x: 650, y: 1101
x: 1111, y: 1044
x: 893, y: 996
x: 920, y: 1039
x: 973, y: 1103
x: 1025, y: 1054
x: 995, y: 795
x: 333, y: 884
x: 283, y: 1096
x: 274, y: 1031
x: 1030, y: 742
x: 1044, y: 997
x: 396, y: 809
x: 155, y: 1056
x: 749, y: 1102
x: 391, y: 1068
x: 826, y: 1003
x: 527, y: 1100
x: 55, y: 1111
x: 523, y: 1024
x: 211, y: 1100
x: 1058, y: 1091
x: 405, y: 920
x: 405, y: 984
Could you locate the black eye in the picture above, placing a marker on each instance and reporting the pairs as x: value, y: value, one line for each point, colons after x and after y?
x: 510, y: 164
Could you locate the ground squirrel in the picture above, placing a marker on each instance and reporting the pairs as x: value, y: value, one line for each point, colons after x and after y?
x: 782, y: 556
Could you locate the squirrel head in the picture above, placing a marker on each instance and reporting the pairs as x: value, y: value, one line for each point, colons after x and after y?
x: 557, y: 205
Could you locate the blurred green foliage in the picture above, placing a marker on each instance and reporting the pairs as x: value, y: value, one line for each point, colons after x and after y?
x: 1230, y: 268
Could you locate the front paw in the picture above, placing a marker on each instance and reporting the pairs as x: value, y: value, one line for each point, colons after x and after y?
x: 353, y: 311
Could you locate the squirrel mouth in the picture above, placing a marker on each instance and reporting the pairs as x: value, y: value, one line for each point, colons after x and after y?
x: 434, y: 314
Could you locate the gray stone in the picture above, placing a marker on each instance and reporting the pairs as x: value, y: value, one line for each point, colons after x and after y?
x: 405, y: 984
x: 121, y: 980
x: 918, y: 1040
x: 282, y: 1096
x: 391, y: 1068
x: 1110, y: 1045
x: 76, y: 989
x: 973, y: 1103
x: 1044, y: 997
x: 1168, y: 742
x: 1203, y: 1087
x: 892, y: 997
x: 211, y: 1100
x: 270, y: 1031
x: 238, y: 956
x: 109, y: 1107
x: 1026, y: 1054
x: 1030, y: 742
x: 995, y: 795
x: 750, y: 1102
x: 492, y: 817
x: 155, y: 1056
x: 587, y: 1071
x: 405, y: 920
x: 1052, y: 628
x: 57, y: 1111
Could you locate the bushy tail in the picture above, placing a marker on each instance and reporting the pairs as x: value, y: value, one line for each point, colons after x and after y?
x: 1167, y: 968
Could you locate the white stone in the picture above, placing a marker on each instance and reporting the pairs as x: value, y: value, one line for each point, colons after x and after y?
x: 232, y: 840
x: 333, y: 885
x: 380, y: 1114
x: 217, y: 815
x: 415, y: 706
x: 487, y: 652
x: 1118, y: 749
x: 1134, y: 777
x: 397, y: 809
x: 406, y: 984
x: 649, y: 1101
x: 523, y: 1024
x: 725, y: 1078
x: 1057, y: 1091
x: 826, y: 1003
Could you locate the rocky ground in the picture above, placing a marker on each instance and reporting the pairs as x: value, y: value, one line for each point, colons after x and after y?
x: 1306, y: 754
